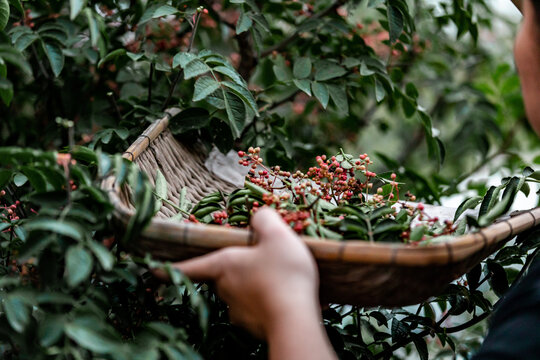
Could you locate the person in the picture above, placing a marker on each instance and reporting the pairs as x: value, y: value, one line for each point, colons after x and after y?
x: 272, y: 288
x: 513, y: 331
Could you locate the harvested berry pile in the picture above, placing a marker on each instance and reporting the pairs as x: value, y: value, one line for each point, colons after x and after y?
x: 338, y: 199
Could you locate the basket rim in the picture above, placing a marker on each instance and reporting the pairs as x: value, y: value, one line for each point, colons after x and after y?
x: 213, y: 237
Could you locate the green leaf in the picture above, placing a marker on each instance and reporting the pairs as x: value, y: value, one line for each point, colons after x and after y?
x: 380, y: 93
x: 302, y: 68
x: 244, y: 23
x: 36, y: 178
x: 50, y: 330
x: 525, y: 189
x: 182, y: 59
x: 422, y: 348
x: 408, y: 105
x: 20, y: 179
x: 156, y: 11
x: 499, y: 280
x: 321, y: 93
x: 113, y: 55
x: 75, y: 8
x: 6, y: 91
x: 399, y: 330
x: 195, y: 68
x: 469, y: 203
x: 417, y: 233
x: 528, y: 171
x: 339, y: 97
x: 144, y: 205
x: 326, y: 70
x: 4, y: 14
x: 282, y: 71
x: 236, y: 113
x: 231, y: 73
x: 92, y: 26
x: 204, y: 86
x: 189, y: 119
x: 17, y: 312
x: 13, y: 56
x: 395, y: 21
x: 304, y: 85
x: 387, y: 225
x: 504, y: 204
x: 55, y: 56
x: 161, y: 185
x: 17, y: 5
x: 489, y: 199
x: 54, y: 298
x: 104, y: 162
x: 61, y: 227
x: 5, y: 176
x: 91, y: 339
x: 3, y: 68
x: 365, y: 71
x: 135, y: 57
x: 79, y: 264
x: 243, y: 94
x: 473, y: 276
x: 102, y: 254
x: 25, y: 40
x: 411, y: 90
x: 82, y: 153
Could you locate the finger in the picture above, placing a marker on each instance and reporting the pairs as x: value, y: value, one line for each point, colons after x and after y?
x: 202, y: 268
x: 269, y: 226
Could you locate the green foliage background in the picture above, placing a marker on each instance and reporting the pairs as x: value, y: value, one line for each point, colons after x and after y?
x: 411, y: 81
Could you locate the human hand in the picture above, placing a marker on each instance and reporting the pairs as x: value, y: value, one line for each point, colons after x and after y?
x: 262, y: 283
x: 271, y: 288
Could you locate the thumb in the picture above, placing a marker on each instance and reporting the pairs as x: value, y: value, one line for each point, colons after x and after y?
x: 268, y: 225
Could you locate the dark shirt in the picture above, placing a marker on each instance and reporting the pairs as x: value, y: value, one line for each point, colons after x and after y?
x: 514, y: 331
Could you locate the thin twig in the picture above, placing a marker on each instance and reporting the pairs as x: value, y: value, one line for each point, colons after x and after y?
x: 195, y: 27
x: 177, y: 78
x: 152, y: 67
x: 41, y: 66
x: 115, y: 105
x: 268, y: 108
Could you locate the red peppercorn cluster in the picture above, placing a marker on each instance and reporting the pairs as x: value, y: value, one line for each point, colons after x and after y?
x: 27, y: 20
x: 10, y: 213
x: 299, y: 220
x: 334, y: 179
x: 219, y: 216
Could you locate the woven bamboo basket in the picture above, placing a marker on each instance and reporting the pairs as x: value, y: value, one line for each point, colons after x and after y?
x: 351, y: 272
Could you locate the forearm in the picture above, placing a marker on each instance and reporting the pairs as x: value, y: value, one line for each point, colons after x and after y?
x: 299, y: 334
